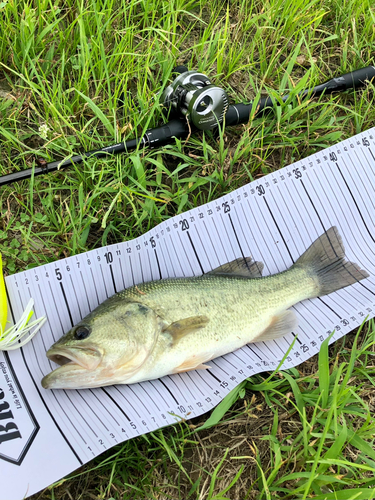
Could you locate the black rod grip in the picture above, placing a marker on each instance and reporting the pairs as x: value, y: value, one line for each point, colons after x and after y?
x: 353, y: 80
x: 241, y: 113
x: 356, y: 79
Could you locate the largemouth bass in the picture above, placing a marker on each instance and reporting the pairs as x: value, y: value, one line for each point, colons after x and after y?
x: 176, y: 325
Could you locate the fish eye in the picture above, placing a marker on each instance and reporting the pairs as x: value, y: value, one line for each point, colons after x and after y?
x: 82, y: 332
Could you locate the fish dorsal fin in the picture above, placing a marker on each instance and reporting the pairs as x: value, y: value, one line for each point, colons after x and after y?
x: 183, y: 327
x: 281, y: 324
x: 244, y: 266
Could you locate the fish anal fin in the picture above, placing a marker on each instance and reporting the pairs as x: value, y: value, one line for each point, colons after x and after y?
x: 193, y: 363
x: 281, y: 324
x: 243, y: 267
x: 183, y: 327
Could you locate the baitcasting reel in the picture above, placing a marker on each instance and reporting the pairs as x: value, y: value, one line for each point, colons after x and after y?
x: 194, y: 96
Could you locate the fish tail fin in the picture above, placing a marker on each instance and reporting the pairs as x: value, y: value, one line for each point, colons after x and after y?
x: 325, y: 259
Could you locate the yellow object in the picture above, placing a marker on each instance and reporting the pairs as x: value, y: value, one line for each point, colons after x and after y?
x: 3, y: 300
x: 23, y: 331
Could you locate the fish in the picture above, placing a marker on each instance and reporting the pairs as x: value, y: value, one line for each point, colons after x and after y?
x: 176, y: 325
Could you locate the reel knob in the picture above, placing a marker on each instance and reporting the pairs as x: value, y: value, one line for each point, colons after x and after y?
x: 207, y: 107
x: 192, y: 95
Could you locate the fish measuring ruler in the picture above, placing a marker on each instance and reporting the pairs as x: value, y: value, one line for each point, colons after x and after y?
x: 273, y: 219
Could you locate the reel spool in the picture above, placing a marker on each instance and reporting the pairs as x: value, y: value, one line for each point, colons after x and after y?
x: 192, y: 95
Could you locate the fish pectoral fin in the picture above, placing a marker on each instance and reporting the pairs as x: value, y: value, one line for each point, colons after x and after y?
x: 194, y: 363
x: 243, y: 267
x: 183, y: 327
x: 281, y: 324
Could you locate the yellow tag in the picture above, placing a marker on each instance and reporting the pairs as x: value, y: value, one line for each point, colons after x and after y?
x: 3, y: 300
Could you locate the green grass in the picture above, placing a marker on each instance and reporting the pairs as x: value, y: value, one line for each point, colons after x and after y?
x: 65, y: 65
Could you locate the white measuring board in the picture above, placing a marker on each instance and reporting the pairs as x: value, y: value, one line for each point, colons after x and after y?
x: 45, y: 434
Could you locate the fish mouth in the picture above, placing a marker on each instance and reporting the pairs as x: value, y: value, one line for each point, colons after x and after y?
x: 86, y: 357
x: 78, y: 365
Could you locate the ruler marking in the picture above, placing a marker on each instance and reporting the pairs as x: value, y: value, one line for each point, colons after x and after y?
x: 157, y: 390
x: 219, y: 367
x: 204, y: 380
x: 131, y: 269
x: 366, y: 174
x: 176, y: 254
x: 80, y: 414
x: 188, y: 374
x: 286, y: 205
x: 329, y: 307
x: 264, y: 261
x: 94, y: 282
x: 239, y: 357
x: 203, y: 246
x: 270, y: 233
x: 214, y: 376
x: 230, y: 363
x: 157, y: 261
x: 70, y: 420
x: 104, y: 406
x: 296, y: 337
x: 92, y: 409
x: 278, y: 229
x: 186, y: 255
x: 303, y: 331
x: 252, y: 350
x: 226, y: 232
x: 173, y: 381
x: 142, y: 403
x: 122, y: 274
x: 236, y: 236
x: 170, y: 392
x: 66, y: 303
x: 149, y: 263
x: 104, y: 283
x: 126, y: 399
x: 355, y: 203
x: 239, y: 244
x: 141, y: 385
x: 289, y: 232
x: 260, y: 233
x: 212, y: 244
x: 140, y: 263
x: 195, y: 252
x: 163, y: 257
x: 182, y: 378
x: 113, y: 278
x: 218, y: 235
x: 75, y: 295
x: 84, y: 287
x: 116, y: 404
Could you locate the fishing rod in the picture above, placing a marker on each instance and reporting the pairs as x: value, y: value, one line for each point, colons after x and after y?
x: 194, y: 103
